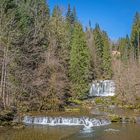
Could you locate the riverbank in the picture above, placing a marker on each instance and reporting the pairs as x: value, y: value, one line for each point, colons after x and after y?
x: 105, y: 107
x: 115, y: 110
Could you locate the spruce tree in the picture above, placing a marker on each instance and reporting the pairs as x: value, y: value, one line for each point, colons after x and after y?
x: 79, y: 63
x: 73, y: 16
x: 135, y: 36
x: 98, y: 41
x: 125, y: 48
x: 68, y: 14
x: 107, y: 66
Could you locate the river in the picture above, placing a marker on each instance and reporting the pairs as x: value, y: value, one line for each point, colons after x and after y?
x: 113, y: 131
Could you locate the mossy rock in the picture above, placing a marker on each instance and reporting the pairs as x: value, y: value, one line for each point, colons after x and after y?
x: 115, y: 118
x: 99, y: 101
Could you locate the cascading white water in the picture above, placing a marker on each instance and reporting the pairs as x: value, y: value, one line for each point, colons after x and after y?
x: 102, y: 88
x: 69, y: 121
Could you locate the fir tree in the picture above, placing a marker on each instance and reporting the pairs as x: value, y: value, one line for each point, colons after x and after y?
x: 125, y: 48
x: 135, y: 36
x: 98, y: 41
x: 79, y: 63
x: 68, y: 14
x: 107, y: 68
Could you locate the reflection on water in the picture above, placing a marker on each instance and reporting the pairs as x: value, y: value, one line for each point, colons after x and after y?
x: 110, y: 132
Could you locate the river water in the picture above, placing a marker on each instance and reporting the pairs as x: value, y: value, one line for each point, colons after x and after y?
x: 114, y: 131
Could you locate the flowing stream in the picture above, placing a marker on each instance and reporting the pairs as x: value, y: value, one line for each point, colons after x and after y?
x: 95, y: 127
x: 116, y: 131
x: 66, y: 121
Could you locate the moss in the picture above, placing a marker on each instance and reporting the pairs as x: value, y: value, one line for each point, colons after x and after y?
x: 72, y: 109
x: 115, y: 118
x: 99, y: 101
x: 75, y: 101
x: 113, y: 100
x: 126, y: 119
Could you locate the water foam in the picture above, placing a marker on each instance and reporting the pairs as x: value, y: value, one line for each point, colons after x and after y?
x: 66, y: 121
x: 102, y: 88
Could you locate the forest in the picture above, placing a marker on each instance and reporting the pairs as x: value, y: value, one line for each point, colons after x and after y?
x: 49, y: 59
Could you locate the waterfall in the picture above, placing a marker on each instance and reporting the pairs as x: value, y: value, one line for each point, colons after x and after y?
x: 102, y: 88
x: 69, y: 121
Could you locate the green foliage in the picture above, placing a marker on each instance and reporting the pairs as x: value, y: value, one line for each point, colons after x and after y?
x: 71, y: 16
x: 46, y: 57
x: 75, y: 101
x: 107, y: 66
x: 125, y: 48
x: 135, y: 35
x: 99, y: 101
x: 102, y: 61
x: 98, y: 41
x: 79, y: 62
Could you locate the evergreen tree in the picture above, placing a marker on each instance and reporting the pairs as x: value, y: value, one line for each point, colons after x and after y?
x: 101, y: 65
x: 79, y: 63
x: 44, y: 58
x: 107, y: 66
x: 125, y: 48
x: 73, y: 16
x: 92, y: 51
x: 98, y: 40
x: 57, y: 61
x: 29, y: 44
x: 135, y: 36
x: 68, y: 14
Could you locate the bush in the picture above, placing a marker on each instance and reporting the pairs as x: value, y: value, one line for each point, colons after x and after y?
x: 127, y: 80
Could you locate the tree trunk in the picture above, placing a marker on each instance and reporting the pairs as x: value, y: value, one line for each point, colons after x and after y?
x: 4, y: 77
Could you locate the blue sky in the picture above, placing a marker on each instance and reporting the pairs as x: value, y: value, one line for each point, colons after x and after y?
x: 114, y: 16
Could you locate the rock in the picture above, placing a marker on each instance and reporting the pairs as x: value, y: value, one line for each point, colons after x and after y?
x: 123, y: 119
x: 115, y: 118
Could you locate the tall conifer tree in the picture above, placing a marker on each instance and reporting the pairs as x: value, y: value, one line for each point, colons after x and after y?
x: 79, y: 62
